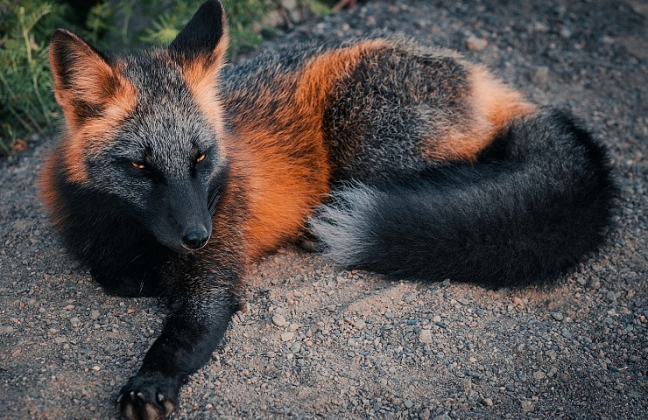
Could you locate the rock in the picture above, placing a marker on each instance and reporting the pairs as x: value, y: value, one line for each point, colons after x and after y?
x: 557, y: 316
x: 542, y: 74
x: 279, y: 320
x: 476, y: 44
x: 425, y: 336
x: 527, y: 406
x: 287, y: 336
x: 565, y: 32
x: 6, y: 330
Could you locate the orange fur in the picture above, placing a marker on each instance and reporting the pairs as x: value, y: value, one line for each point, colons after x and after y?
x: 90, y: 138
x: 493, y: 106
x: 90, y: 82
x: 201, y: 76
x: 288, y: 171
x: 48, y: 190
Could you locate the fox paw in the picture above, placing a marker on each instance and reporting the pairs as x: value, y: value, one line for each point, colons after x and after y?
x: 148, y: 396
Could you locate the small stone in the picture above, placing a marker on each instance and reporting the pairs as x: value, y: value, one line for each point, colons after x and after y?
x: 476, y: 44
x: 6, y: 330
x: 296, y: 347
x: 425, y: 336
x: 425, y: 414
x: 540, y: 27
x: 542, y: 74
x: 359, y: 324
x: 279, y: 320
x: 487, y: 402
x: 287, y: 336
x: 539, y: 375
x: 94, y: 315
x: 565, y: 32
x: 557, y: 316
x: 408, y: 404
x: 75, y: 322
x: 436, y: 318
x: 527, y: 406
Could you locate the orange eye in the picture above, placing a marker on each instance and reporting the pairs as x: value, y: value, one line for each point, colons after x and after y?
x: 138, y: 165
x: 200, y: 158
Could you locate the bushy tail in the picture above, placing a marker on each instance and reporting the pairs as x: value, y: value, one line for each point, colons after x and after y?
x: 537, y: 202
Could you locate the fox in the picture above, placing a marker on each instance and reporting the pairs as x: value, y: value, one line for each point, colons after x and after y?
x: 175, y: 171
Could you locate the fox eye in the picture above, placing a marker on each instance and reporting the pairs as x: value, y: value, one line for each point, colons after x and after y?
x: 138, y: 165
x: 200, y: 158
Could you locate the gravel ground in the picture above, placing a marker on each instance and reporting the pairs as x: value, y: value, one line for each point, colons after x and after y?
x: 319, y: 342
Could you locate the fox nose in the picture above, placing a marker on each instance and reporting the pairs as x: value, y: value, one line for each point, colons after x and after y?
x: 195, y: 238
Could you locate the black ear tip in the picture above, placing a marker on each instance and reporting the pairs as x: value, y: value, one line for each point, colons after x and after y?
x: 212, y: 7
x: 203, y: 32
x: 61, y: 33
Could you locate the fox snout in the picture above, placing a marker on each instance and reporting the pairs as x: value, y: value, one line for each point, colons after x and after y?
x: 195, y: 238
x: 180, y: 217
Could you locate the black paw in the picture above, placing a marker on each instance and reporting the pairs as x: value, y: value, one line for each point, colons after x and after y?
x: 148, y: 396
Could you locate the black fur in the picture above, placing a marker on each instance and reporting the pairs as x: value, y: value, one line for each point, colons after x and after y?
x: 535, y: 204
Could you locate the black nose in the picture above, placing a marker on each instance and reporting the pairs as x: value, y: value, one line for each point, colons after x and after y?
x: 195, y: 238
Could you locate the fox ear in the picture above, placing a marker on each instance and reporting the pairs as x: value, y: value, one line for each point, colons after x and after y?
x: 85, y: 83
x: 205, y: 36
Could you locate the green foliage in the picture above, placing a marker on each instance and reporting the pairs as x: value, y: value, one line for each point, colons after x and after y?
x: 27, y: 103
x: 26, y: 97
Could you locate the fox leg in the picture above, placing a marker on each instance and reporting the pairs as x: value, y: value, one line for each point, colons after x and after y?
x: 192, y: 332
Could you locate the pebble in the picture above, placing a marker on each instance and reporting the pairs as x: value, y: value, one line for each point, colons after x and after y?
x: 527, y: 406
x: 488, y: 402
x: 279, y: 320
x: 6, y: 329
x: 557, y: 316
x: 541, y: 75
x: 476, y: 44
x: 565, y: 32
x: 425, y: 336
x: 287, y: 336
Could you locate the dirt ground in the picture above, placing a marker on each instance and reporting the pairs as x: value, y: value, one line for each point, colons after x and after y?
x: 316, y: 341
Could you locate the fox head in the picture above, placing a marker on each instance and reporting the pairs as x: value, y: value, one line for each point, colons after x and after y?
x: 147, y: 129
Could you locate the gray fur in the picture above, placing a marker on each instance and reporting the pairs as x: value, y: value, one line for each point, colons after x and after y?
x: 166, y: 130
x: 343, y: 227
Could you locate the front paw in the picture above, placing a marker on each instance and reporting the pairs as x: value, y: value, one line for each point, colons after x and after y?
x: 148, y: 396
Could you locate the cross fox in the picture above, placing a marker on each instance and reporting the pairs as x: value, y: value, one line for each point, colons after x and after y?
x: 175, y: 170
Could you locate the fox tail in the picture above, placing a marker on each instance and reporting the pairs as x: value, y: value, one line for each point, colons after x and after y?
x: 536, y: 202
